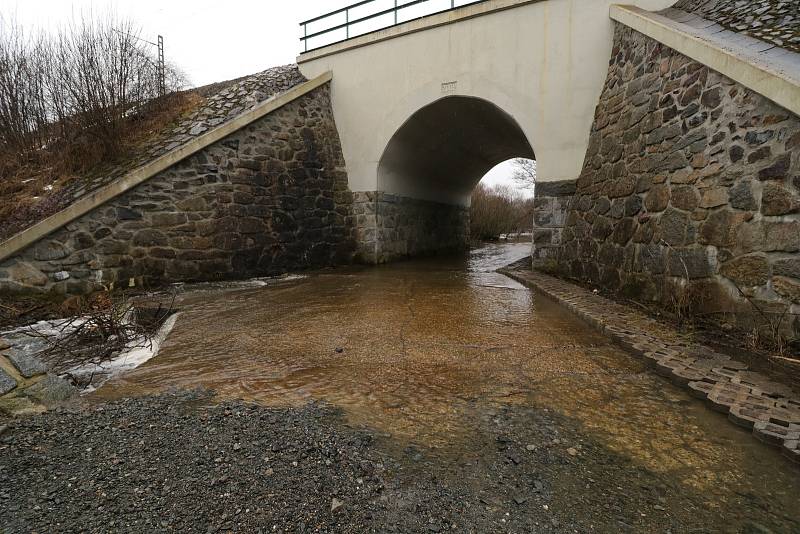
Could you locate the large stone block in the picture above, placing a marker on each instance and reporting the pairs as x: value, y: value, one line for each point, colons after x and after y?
x: 781, y: 236
x: 674, y: 227
x: 747, y: 271
x: 788, y: 288
x: 740, y: 196
x: 722, y: 227
x: 563, y: 188
x: 690, y: 263
x: 50, y: 250
x: 777, y: 200
x: 28, y: 365
x: 25, y: 274
x: 658, y: 198
x: 685, y: 197
x: 789, y: 267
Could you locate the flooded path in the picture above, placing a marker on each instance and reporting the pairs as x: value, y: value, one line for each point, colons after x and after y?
x: 430, y: 353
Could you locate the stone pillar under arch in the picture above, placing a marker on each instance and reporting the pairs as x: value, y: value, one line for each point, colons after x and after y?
x: 551, y: 206
x: 392, y: 227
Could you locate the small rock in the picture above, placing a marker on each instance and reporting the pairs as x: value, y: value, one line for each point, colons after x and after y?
x: 339, y: 350
x: 60, y: 276
x: 336, y: 505
x: 520, y: 499
x: 530, y: 448
x: 51, y: 390
x: 7, y: 382
x: 572, y: 451
x: 197, y: 129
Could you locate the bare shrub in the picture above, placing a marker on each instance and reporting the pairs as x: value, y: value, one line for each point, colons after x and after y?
x: 100, y: 329
x: 78, y: 85
x: 23, y: 98
x: 498, y: 211
x: 75, y: 103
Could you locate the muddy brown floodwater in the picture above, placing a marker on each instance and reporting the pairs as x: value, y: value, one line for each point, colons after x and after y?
x: 423, y: 352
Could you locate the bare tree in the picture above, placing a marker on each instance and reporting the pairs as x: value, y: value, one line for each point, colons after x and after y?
x: 498, y: 211
x: 525, y: 173
x: 23, y: 110
x: 80, y: 84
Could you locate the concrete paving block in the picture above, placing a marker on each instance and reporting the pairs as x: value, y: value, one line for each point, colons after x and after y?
x: 775, y: 435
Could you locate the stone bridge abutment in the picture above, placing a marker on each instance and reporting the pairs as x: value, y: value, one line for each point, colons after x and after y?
x: 667, y: 147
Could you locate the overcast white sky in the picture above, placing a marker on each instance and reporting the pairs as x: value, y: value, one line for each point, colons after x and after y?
x: 211, y: 40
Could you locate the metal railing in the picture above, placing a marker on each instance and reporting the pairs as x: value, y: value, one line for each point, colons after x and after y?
x: 394, y: 15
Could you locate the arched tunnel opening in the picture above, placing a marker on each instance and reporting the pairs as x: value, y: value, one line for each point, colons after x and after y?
x: 430, y: 168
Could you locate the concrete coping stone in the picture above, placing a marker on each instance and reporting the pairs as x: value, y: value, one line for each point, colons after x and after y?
x: 775, y: 74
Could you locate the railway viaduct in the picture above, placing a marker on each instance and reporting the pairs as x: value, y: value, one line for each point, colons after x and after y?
x: 667, y: 138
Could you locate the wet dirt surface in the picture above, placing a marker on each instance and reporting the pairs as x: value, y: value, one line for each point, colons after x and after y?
x: 492, y: 405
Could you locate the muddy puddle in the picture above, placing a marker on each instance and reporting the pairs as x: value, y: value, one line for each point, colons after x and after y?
x: 421, y: 351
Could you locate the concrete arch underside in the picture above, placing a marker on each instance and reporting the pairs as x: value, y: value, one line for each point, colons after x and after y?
x: 444, y: 149
x: 426, y: 174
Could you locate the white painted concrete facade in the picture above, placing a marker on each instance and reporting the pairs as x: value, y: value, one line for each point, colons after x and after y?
x: 544, y: 62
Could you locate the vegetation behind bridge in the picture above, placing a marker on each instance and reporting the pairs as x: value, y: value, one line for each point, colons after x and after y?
x: 73, y: 102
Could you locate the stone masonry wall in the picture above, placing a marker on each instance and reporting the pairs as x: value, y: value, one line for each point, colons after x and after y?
x: 271, y: 197
x: 225, y: 101
x: 691, y: 186
x: 391, y: 227
x: 550, y: 209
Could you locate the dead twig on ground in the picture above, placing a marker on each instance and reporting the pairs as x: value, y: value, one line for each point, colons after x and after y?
x: 100, y: 332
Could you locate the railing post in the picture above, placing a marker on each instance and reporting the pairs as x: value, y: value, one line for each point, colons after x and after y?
x: 347, y: 22
x: 395, y: 12
x: 305, y: 35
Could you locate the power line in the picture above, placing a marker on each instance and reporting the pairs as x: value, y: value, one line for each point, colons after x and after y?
x: 161, y: 70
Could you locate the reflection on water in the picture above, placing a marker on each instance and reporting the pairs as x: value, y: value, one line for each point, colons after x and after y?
x: 418, y: 349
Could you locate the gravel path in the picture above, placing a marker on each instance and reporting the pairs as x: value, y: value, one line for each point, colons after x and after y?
x: 177, y: 463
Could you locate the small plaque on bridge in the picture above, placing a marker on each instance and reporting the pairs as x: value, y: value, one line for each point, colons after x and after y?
x: 449, y: 87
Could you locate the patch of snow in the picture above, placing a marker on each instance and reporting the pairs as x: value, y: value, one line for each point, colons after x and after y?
x: 52, y: 327
x: 128, y: 360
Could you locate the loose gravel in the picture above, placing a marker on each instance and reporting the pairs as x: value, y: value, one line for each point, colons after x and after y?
x: 181, y: 463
